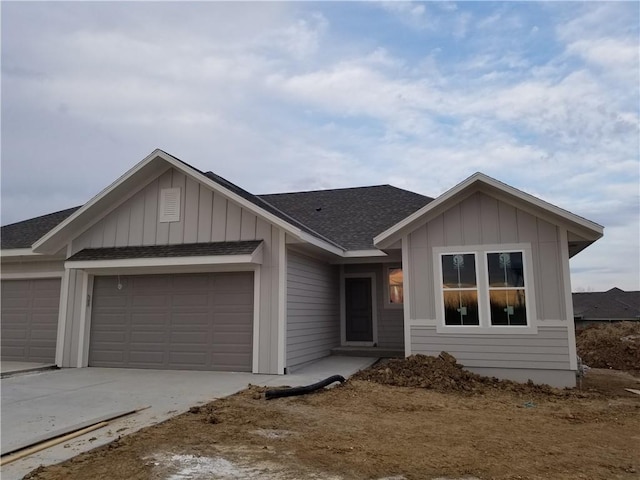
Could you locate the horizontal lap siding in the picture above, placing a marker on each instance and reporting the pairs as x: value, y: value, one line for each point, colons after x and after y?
x: 549, y: 349
x: 313, y: 318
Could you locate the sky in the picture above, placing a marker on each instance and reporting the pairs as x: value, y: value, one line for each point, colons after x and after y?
x: 292, y: 96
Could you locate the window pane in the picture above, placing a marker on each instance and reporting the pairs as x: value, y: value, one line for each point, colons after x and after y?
x: 459, y: 271
x: 396, y: 294
x: 505, y: 269
x: 461, y: 307
x: 508, y: 307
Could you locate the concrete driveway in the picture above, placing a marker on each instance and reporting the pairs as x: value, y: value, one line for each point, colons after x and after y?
x: 38, y: 405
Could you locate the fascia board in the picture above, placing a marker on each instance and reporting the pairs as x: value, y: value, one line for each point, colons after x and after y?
x: 18, y: 252
x: 374, y: 252
x: 163, y: 261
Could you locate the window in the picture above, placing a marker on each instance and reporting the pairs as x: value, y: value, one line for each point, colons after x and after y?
x: 484, y: 288
x: 460, y: 289
x: 395, y: 282
x: 506, y: 288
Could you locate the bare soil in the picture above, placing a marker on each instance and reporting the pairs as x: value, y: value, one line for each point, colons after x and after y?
x: 610, y: 345
x: 418, y: 418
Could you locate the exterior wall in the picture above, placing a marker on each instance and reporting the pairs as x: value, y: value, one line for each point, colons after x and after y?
x: 390, y: 317
x: 31, y: 268
x: 313, y: 315
x: 206, y: 216
x: 479, y: 220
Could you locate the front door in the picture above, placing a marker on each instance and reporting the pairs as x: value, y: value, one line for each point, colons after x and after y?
x: 358, y: 310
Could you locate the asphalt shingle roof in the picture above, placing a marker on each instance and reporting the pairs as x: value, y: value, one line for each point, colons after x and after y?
x: 351, y: 217
x: 158, y: 251
x: 614, y: 304
x: 24, y: 234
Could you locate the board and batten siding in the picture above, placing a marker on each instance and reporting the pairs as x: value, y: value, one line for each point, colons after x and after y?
x: 390, y: 318
x: 313, y: 309
x: 480, y: 220
x: 205, y: 216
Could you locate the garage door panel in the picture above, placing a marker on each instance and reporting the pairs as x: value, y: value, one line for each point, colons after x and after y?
x: 190, y: 320
x: 190, y: 300
x: 173, y: 321
x: 29, y: 323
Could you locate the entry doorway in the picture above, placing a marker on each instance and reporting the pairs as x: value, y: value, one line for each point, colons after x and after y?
x: 359, y: 310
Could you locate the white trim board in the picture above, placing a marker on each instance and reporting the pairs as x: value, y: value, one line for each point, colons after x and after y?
x: 165, y: 261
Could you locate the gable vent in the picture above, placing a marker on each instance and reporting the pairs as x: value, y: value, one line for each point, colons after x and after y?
x: 169, y: 205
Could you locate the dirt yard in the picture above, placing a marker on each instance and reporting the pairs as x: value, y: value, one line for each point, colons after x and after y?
x: 455, y: 425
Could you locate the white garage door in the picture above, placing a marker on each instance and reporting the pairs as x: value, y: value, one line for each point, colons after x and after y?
x: 183, y: 322
x: 30, y: 319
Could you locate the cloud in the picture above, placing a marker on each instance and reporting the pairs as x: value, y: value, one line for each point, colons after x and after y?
x: 419, y: 95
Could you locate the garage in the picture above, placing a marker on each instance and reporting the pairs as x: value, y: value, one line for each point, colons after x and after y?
x: 30, y: 319
x: 200, y: 321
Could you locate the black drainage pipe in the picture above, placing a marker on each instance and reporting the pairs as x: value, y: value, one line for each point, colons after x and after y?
x: 291, y: 392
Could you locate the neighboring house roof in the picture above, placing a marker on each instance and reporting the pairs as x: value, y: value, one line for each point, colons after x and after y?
x: 614, y: 304
x: 350, y: 217
x: 164, y: 251
x: 24, y: 234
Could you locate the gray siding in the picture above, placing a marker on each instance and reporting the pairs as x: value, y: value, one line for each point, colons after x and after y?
x: 390, y: 318
x: 481, y: 219
x: 313, y: 309
x: 549, y: 349
x: 46, y: 268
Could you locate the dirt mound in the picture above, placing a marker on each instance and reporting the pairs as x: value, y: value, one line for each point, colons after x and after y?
x: 442, y: 374
x: 611, y: 345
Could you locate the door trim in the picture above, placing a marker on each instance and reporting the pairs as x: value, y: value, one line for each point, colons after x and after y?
x: 343, y: 309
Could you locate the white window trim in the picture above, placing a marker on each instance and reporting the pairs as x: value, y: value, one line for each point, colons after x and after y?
x: 482, y: 279
x: 387, y: 297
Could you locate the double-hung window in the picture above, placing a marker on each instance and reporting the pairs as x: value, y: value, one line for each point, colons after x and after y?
x: 485, y: 288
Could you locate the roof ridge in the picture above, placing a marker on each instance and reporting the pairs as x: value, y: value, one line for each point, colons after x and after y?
x: 341, y: 189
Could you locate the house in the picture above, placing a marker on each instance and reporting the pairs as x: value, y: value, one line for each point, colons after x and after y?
x: 173, y: 268
x: 614, y: 305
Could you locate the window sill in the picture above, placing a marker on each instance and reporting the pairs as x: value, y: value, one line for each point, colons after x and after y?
x: 486, y: 330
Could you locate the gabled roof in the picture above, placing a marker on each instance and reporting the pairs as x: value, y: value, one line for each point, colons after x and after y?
x: 586, y: 231
x: 24, y: 234
x: 614, y: 304
x: 153, y: 165
x: 351, y: 217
